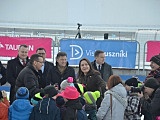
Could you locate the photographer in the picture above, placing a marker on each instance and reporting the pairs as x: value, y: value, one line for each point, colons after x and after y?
x: 151, y: 103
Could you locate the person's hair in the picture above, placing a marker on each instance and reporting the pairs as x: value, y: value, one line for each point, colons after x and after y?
x: 61, y: 54
x: 34, y: 57
x: 40, y: 49
x: 98, y: 52
x: 113, y: 81
x: 23, y: 45
x: 80, y: 73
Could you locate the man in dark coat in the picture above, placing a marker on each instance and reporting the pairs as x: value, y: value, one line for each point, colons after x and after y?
x: 104, y: 68
x: 61, y: 71
x: 14, y: 67
x: 29, y: 76
x: 151, y: 102
x: 47, y: 66
x: 2, y: 74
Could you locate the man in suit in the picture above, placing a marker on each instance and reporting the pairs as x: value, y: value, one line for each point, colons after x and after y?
x: 14, y: 67
x: 47, y: 66
x: 99, y: 64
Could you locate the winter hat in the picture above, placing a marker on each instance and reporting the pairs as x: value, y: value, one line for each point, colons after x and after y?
x: 70, y: 93
x: 79, y: 87
x: 67, y: 82
x: 37, y: 97
x: 22, y: 93
x: 50, y: 91
x: 60, y: 101
x: 152, y: 83
x: 156, y: 59
x: 1, y: 96
x: 91, y: 97
x: 132, y: 82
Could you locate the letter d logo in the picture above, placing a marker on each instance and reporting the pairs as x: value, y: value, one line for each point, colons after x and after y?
x: 77, y: 52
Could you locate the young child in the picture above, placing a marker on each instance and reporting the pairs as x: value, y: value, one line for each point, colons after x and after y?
x: 46, y: 108
x: 91, y: 107
x: 36, y: 98
x: 4, y: 105
x: 67, y: 82
x: 21, y: 107
x: 73, y: 106
x: 132, y: 111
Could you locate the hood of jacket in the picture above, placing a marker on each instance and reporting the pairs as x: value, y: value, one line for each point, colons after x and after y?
x: 75, y: 104
x: 44, y: 105
x: 21, y: 105
x: 120, y: 90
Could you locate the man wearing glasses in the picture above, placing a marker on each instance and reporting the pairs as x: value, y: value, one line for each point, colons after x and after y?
x: 29, y: 76
x: 47, y: 66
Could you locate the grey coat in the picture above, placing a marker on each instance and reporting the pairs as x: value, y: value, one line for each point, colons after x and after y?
x: 104, y: 112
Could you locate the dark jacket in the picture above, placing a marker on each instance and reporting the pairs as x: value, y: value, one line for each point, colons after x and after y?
x: 3, y: 73
x: 55, y: 75
x: 46, y: 109
x: 14, y: 67
x: 43, y: 76
x: 71, y: 107
x: 93, y: 82
x: 153, y: 107
x: 28, y: 78
x: 106, y: 70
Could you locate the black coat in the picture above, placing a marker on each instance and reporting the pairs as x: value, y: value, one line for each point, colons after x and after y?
x: 28, y: 78
x: 43, y: 76
x: 55, y: 75
x: 71, y: 107
x: 106, y: 70
x: 14, y: 67
x: 152, y: 107
x: 3, y: 73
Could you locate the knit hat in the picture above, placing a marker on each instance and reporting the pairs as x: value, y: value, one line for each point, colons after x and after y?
x: 67, y: 82
x: 152, y: 83
x: 132, y: 82
x: 156, y: 59
x: 60, y: 101
x: 70, y: 93
x: 22, y: 93
x: 79, y: 87
x: 50, y: 91
x: 91, y: 97
x: 37, y: 97
x: 1, y: 96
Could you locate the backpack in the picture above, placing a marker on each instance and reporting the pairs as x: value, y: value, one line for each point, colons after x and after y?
x: 81, y: 115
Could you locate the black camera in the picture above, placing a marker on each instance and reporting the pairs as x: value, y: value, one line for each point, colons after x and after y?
x: 79, y: 24
x: 137, y: 89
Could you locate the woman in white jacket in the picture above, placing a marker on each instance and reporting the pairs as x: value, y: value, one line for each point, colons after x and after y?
x: 114, y: 102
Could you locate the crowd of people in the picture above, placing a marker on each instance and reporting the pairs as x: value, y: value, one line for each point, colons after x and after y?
x: 41, y: 90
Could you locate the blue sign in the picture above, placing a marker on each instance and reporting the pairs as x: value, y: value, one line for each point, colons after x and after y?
x: 118, y: 53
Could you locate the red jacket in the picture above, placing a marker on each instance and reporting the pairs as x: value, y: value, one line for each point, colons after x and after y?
x: 4, y: 105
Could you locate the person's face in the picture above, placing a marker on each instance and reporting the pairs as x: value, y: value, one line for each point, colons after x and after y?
x: 148, y: 90
x: 84, y: 67
x: 42, y: 53
x: 39, y: 63
x: 62, y: 61
x: 100, y: 58
x: 23, y: 52
x: 154, y: 66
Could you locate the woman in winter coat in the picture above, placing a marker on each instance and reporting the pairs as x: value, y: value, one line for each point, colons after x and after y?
x: 114, y: 102
x: 91, y: 79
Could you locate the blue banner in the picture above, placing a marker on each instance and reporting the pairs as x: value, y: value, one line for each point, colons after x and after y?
x: 118, y: 53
